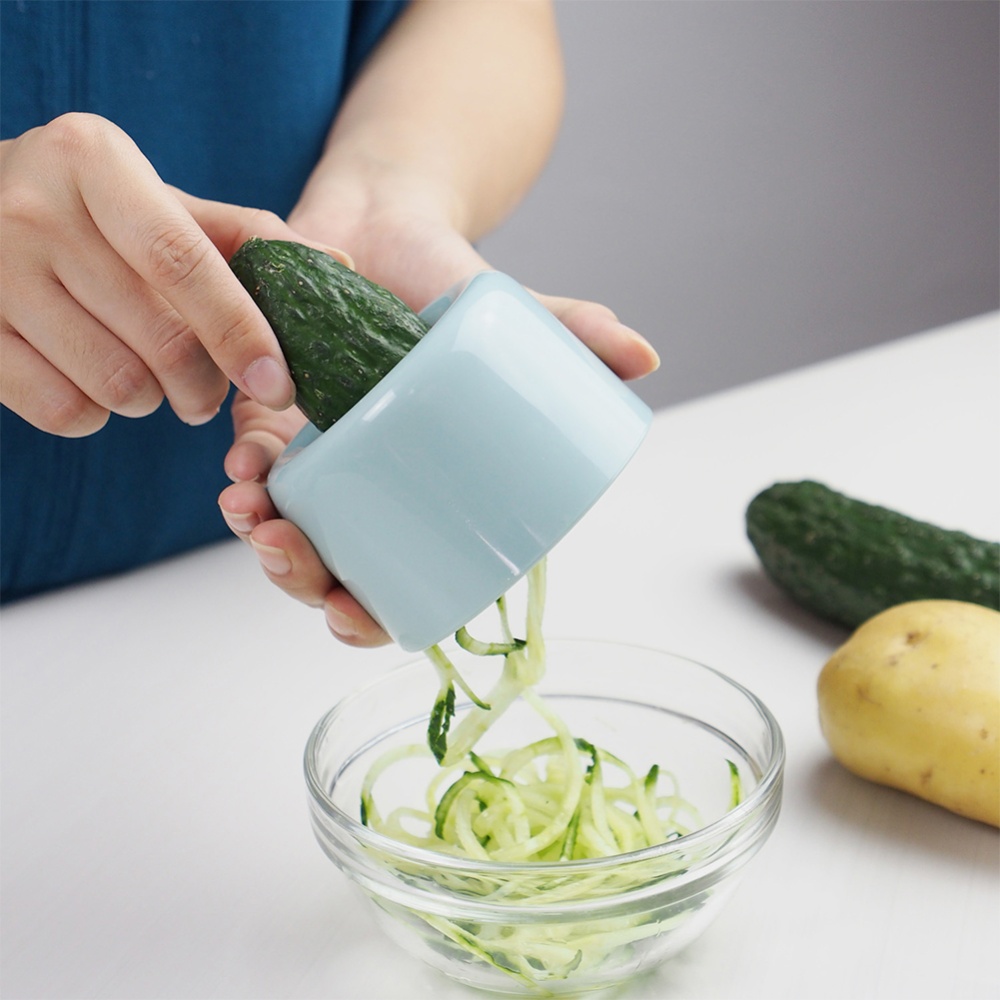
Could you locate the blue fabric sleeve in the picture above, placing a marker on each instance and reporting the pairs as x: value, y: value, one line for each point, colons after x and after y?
x: 228, y: 100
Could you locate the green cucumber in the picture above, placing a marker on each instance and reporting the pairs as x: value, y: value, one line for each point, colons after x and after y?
x: 847, y: 560
x: 340, y: 333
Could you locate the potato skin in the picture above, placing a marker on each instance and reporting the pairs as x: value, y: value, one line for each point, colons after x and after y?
x: 912, y: 700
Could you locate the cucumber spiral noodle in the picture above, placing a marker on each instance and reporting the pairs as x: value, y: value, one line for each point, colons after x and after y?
x: 560, y: 798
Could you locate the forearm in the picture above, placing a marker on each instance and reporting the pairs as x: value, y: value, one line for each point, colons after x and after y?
x: 453, y: 117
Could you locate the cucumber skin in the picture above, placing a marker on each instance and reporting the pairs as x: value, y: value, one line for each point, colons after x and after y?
x: 340, y: 333
x: 846, y: 560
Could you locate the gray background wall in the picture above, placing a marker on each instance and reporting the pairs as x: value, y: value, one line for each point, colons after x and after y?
x: 755, y: 185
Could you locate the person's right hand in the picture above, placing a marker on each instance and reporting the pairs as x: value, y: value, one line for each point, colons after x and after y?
x: 114, y: 296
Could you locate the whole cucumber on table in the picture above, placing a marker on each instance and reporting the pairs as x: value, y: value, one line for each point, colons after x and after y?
x: 340, y: 333
x: 847, y: 560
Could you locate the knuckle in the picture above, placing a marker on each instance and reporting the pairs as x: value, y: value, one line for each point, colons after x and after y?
x: 22, y: 200
x: 174, y: 254
x: 129, y: 388
x: 75, y: 138
x: 593, y: 311
x: 177, y: 348
x: 180, y: 359
x: 603, y: 312
x: 78, y: 134
x: 70, y: 413
x: 234, y: 336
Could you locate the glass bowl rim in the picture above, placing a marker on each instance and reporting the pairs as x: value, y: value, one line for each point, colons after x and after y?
x: 758, y: 797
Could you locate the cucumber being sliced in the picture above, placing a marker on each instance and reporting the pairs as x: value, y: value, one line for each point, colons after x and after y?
x: 340, y: 333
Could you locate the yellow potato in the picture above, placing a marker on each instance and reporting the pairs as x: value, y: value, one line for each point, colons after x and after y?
x: 912, y: 700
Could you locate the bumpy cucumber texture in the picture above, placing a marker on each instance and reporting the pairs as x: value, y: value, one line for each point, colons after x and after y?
x: 847, y: 560
x: 340, y: 333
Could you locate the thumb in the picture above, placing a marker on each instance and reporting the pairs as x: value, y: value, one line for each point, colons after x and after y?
x: 230, y: 226
x: 621, y: 348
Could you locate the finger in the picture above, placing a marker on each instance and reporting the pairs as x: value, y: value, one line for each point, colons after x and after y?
x: 285, y: 554
x: 160, y: 241
x: 259, y: 437
x: 244, y: 506
x: 350, y: 623
x: 39, y: 393
x: 250, y: 458
x: 622, y: 349
x: 83, y: 349
x: 113, y: 293
x: 230, y: 226
x: 290, y: 562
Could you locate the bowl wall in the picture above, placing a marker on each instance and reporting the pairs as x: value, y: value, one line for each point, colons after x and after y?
x: 566, y: 927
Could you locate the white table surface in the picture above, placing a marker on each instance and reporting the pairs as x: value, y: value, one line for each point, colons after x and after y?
x: 155, y: 836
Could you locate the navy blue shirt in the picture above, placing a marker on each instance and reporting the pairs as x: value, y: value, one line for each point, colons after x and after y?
x: 229, y: 100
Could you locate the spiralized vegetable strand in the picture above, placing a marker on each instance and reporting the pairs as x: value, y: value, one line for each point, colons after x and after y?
x: 559, y: 798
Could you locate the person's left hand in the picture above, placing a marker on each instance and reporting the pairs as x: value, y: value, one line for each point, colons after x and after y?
x: 417, y: 260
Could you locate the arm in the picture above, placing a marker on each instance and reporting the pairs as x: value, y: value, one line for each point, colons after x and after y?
x: 451, y: 120
x: 443, y: 132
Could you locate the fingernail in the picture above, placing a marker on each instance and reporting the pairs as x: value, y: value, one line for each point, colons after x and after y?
x: 235, y: 477
x: 654, y: 357
x: 269, y: 383
x: 201, y: 418
x: 342, y: 255
x: 242, y: 524
x: 635, y: 335
x: 340, y: 624
x: 274, y: 560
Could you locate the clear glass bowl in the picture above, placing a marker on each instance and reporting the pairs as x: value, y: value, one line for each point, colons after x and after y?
x: 572, y: 926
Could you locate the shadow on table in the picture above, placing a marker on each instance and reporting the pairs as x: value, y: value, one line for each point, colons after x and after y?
x: 755, y: 585
x: 873, y: 811
x: 895, y: 818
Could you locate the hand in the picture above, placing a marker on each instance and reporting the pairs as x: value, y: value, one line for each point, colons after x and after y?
x: 417, y: 257
x: 114, y: 294
x: 417, y: 260
x: 286, y: 555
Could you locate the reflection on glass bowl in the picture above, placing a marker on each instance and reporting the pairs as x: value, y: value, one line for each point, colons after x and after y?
x: 565, y: 927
